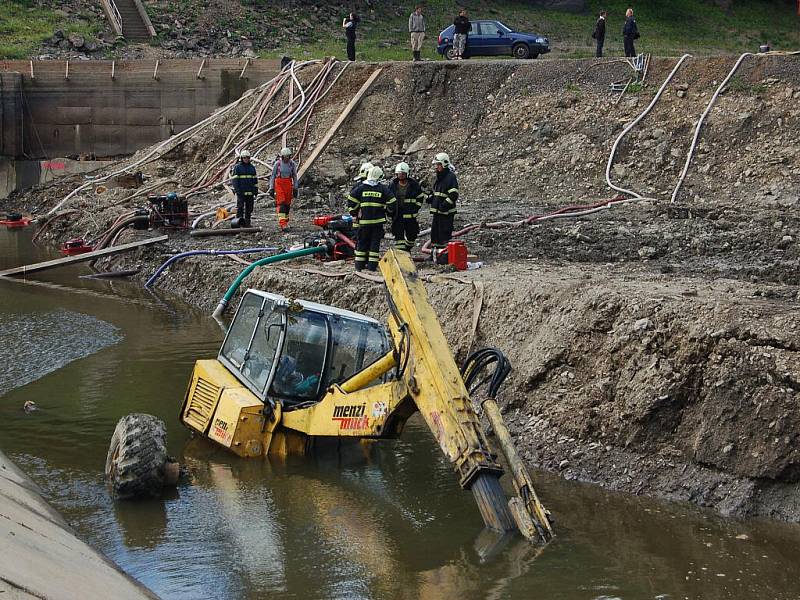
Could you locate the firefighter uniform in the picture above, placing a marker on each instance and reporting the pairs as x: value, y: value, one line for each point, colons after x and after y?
x: 443, y: 207
x: 245, y: 186
x: 405, y: 226
x: 370, y: 203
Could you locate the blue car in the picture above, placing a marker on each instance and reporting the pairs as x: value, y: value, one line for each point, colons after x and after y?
x: 493, y: 38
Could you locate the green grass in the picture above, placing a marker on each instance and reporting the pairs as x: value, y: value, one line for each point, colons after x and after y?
x: 668, y: 27
x: 23, y: 27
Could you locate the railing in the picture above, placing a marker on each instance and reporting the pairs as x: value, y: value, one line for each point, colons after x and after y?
x: 113, y: 15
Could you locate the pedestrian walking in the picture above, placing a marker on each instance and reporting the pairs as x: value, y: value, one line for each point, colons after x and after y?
x: 244, y: 180
x: 630, y: 32
x: 283, y: 186
x: 370, y: 203
x: 416, y: 28
x: 462, y: 27
x: 349, y: 23
x: 409, y: 195
x: 599, y: 33
x: 443, y: 201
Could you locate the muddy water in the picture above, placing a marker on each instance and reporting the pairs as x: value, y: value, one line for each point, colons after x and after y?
x: 389, y: 524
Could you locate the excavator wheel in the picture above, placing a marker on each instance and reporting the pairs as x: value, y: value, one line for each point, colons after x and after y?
x: 137, y: 465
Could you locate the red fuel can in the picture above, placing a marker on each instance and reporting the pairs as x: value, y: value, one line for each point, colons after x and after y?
x: 457, y: 255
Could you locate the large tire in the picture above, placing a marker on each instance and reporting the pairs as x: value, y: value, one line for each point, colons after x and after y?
x: 137, y: 457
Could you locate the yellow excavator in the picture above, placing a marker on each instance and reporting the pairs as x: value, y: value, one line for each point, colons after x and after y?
x: 292, y: 375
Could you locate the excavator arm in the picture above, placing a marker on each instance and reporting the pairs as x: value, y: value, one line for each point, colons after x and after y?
x: 426, y: 378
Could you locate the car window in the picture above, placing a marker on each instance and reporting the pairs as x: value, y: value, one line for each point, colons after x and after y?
x: 473, y: 30
x: 489, y: 28
x: 504, y: 27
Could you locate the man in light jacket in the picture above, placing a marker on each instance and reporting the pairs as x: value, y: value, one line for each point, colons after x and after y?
x: 416, y: 27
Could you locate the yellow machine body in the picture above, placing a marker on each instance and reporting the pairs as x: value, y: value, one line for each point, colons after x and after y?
x: 376, y: 403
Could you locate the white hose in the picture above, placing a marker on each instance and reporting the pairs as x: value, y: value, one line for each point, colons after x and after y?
x: 633, y: 124
x: 700, y: 122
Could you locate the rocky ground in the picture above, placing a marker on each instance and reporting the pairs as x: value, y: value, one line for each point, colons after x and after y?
x: 655, y: 344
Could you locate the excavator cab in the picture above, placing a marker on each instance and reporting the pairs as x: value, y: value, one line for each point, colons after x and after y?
x: 289, y: 352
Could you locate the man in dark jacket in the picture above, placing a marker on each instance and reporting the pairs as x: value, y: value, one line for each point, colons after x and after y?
x: 245, y: 185
x: 443, y: 201
x: 409, y: 196
x: 370, y: 203
x: 630, y: 32
x: 461, y: 29
x: 599, y: 33
x: 349, y: 24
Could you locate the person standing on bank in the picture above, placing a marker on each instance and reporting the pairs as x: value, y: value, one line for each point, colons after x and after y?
x: 370, y: 203
x: 599, y: 33
x: 244, y: 181
x: 283, y: 186
x: 416, y: 27
x: 409, y: 196
x: 630, y: 32
x: 349, y: 23
x: 461, y: 31
x: 443, y: 201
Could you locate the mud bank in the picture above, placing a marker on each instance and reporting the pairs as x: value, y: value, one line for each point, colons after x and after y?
x: 655, y: 344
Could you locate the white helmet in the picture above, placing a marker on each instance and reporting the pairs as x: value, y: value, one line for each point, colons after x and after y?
x: 441, y: 158
x: 244, y: 154
x: 286, y: 152
x: 375, y: 174
x: 363, y: 171
x: 402, y: 168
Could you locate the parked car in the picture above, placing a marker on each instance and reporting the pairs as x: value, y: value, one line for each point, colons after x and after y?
x: 493, y: 38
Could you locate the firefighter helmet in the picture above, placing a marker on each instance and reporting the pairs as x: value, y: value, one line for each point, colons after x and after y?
x: 244, y: 154
x: 286, y: 152
x: 441, y: 158
x: 363, y: 171
x: 402, y: 168
x: 375, y: 174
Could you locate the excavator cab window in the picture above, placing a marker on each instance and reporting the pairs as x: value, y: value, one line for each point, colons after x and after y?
x: 253, y: 341
x: 356, y: 344
x: 302, y: 361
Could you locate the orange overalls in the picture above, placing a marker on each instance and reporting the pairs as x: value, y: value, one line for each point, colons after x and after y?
x: 284, y: 192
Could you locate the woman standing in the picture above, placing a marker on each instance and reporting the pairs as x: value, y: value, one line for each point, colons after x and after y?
x: 349, y: 24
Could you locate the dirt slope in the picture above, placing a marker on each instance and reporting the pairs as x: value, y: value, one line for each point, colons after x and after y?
x: 655, y: 344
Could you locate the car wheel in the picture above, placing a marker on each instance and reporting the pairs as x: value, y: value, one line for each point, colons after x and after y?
x: 449, y: 53
x: 521, y: 51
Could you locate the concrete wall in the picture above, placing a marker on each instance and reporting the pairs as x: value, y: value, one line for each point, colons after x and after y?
x: 91, y: 113
x: 41, y: 557
x: 23, y: 174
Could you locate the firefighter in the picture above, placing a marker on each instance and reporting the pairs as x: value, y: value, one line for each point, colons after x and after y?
x: 363, y: 171
x: 370, y: 203
x: 409, y: 196
x: 245, y: 186
x: 443, y: 201
x: 283, y: 186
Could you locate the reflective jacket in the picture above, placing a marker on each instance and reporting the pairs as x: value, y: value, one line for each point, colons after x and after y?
x: 410, y: 205
x: 245, y: 180
x: 370, y: 203
x: 445, y: 193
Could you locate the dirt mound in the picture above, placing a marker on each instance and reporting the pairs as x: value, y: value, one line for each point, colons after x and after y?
x: 655, y: 344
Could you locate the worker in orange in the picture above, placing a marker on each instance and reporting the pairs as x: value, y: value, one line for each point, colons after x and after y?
x: 283, y: 186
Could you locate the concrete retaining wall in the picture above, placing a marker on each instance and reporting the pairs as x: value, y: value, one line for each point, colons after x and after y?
x: 84, y: 111
x: 41, y: 557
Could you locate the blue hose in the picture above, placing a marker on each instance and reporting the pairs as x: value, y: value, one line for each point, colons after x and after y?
x: 154, y: 277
